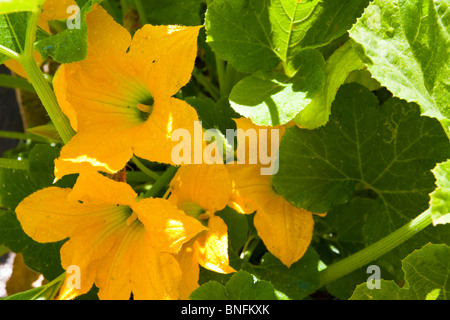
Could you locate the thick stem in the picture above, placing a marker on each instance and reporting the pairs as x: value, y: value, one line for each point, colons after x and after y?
x: 40, y: 84
x: 374, y: 251
x: 163, y: 181
x: 144, y: 169
x: 48, y: 99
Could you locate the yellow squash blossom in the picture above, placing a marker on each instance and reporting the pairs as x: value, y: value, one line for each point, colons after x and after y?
x: 201, y: 190
x: 122, y: 244
x: 285, y: 230
x: 119, y: 99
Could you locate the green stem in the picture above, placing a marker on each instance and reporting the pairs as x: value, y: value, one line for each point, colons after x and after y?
x: 14, y: 164
x: 249, y: 247
x: 163, y: 181
x: 144, y: 169
x: 40, y: 84
x: 51, y: 288
x: 8, y: 52
x: 48, y: 99
x: 31, y: 32
x: 221, y: 75
x: 8, y: 81
x: 21, y: 136
x: 201, y: 79
x: 374, y: 251
x: 229, y: 81
x: 141, y: 11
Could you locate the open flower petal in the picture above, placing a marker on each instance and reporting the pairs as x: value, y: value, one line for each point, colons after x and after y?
x: 209, y: 186
x: 168, y: 227
x: 47, y: 215
x: 54, y: 10
x: 189, y: 265
x: 119, y: 98
x: 84, y: 153
x: 153, y: 139
x: 96, y: 188
x: 165, y: 55
x: 211, y: 248
x: 285, y: 230
x: 122, y: 244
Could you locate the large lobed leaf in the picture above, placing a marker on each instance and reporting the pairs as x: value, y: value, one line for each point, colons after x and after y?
x: 257, y: 35
x: 386, y: 152
x: 241, y: 286
x: 407, y: 43
x: 426, y: 278
x: 389, y: 150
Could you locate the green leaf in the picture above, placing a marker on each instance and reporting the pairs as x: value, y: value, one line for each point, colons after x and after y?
x: 8, y: 6
x: 32, y: 294
x: 47, y: 131
x: 440, y: 198
x: 389, y: 150
x: 407, y: 44
x: 69, y: 45
x: 426, y: 278
x: 211, y: 290
x: 214, y: 115
x: 241, y: 286
x: 13, y: 27
x: 244, y: 286
x: 257, y: 35
x: 337, y: 68
x: 15, y: 186
x: 238, y: 229
x: 183, y: 12
x: 341, y: 235
x: 18, y: 184
x: 296, y: 282
x: 271, y: 98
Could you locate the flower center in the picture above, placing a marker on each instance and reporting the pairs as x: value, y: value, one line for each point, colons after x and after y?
x: 195, y: 211
x: 145, y: 108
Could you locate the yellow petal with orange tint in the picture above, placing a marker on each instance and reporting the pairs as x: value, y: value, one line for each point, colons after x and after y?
x: 168, y: 227
x: 95, y: 188
x: 246, y: 181
x: 165, y: 56
x: 56, y: 9
x: 86, y: 152
x: 285, y: 230
x: 190, y: 270
x: 209, y: 186
x: 118, y: 99
x: 87, y: 248
x: 211, y: 248
x: 153, y: 139
x: 48, y: 216
x: 136, y: 267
